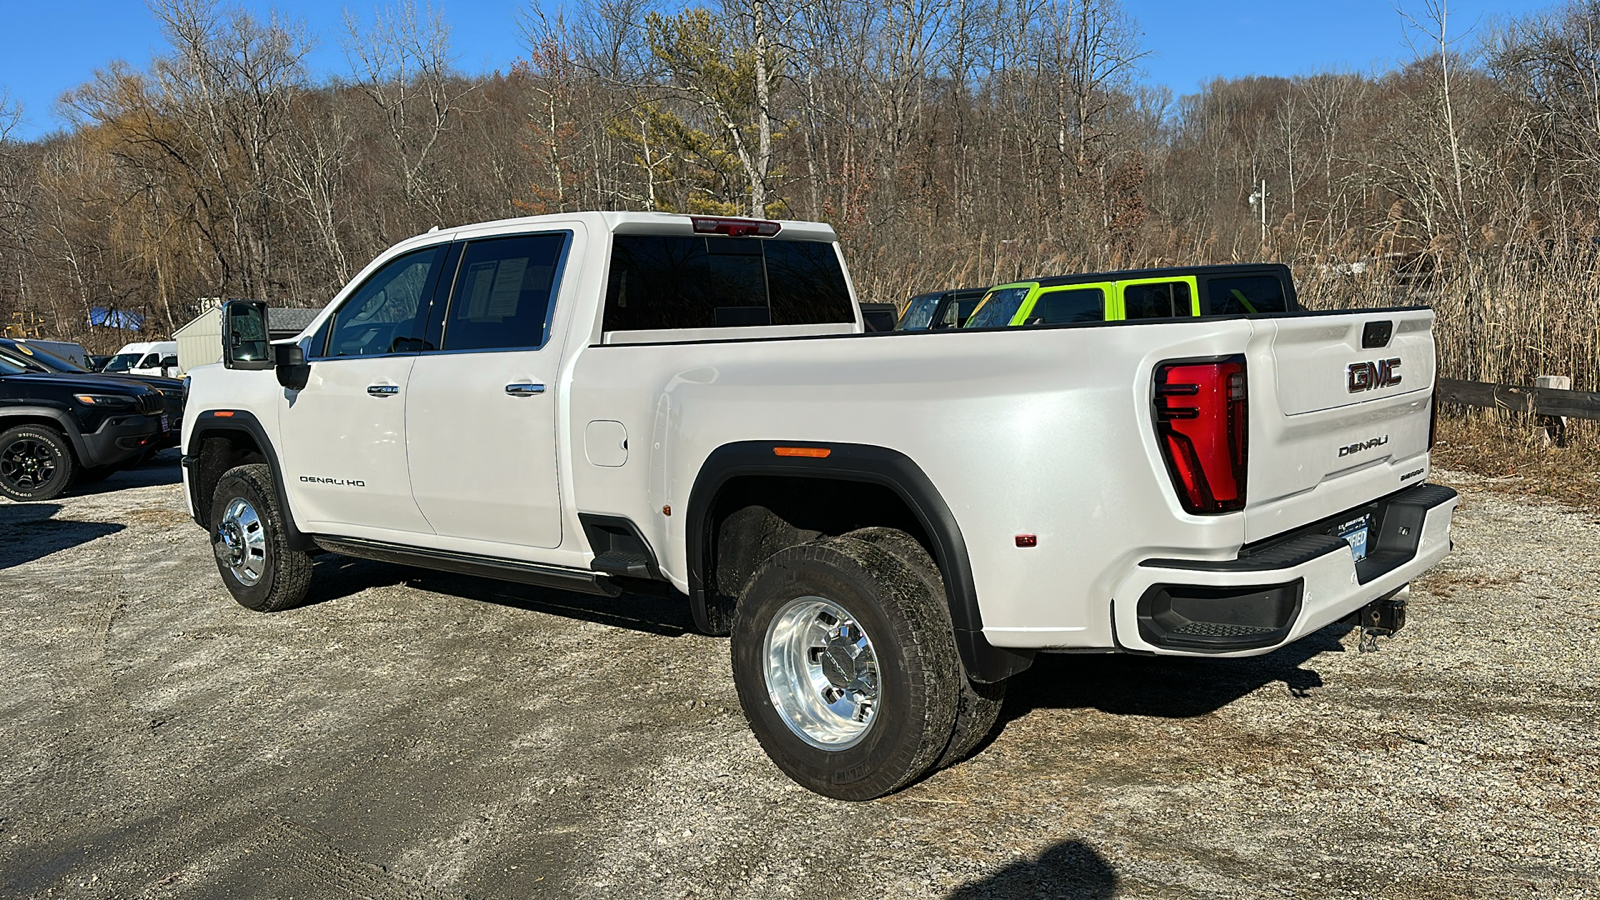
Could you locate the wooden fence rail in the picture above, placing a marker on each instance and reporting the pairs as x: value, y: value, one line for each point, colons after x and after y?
x: 1535, y: 401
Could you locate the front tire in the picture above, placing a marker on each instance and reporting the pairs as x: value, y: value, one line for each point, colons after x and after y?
x: 35, y: 463
x: 251, y: 543
x: 846, y: 668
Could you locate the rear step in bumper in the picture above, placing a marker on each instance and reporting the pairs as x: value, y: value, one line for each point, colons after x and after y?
x: 1284, y: 589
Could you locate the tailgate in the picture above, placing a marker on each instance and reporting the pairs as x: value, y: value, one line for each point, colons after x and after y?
x: 1348, y: 416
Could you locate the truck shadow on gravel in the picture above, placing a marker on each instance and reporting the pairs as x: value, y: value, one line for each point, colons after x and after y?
x: 1068, y: 869
x: 30, y: 531
x: 1165, y: 687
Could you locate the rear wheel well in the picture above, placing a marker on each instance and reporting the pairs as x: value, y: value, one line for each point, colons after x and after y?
x: 753, y: 517
x: 219, y: 452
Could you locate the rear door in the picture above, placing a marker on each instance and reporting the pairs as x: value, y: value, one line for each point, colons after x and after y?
x: 1340, y: 411
x: 481, y: 410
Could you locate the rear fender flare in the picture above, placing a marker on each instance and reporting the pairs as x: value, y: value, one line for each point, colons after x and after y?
x: 865, y: 463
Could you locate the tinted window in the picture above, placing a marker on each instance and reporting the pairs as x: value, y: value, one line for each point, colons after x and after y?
x: 122, y: 362
x: 878, y: 319
x: 998, y: 308
x: 1248, y: 294
x: 806, y: 283
x: 384, y: 315
x: 150, y: 361
x: 504, y: 290
x: 660, y: 282
x: 1161, y: 300
x: 1061, y: 307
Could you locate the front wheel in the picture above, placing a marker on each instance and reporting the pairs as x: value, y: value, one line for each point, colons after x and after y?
x: 35, y: 463
x: 846, y: 668
x: 251, y: 543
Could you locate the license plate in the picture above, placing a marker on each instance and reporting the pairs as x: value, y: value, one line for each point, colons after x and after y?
x: 1355, y: 534
x: 166, y: 424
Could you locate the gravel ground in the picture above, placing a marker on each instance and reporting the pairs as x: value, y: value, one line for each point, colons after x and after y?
x: 419, y: 735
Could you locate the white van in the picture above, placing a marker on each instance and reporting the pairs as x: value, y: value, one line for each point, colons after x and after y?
x: 147, y: 358
x: 67, y: 350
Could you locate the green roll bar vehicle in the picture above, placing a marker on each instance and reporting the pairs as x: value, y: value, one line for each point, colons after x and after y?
x: 1139, y: 294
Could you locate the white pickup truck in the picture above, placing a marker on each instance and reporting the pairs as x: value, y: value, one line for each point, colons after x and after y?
x: 888, y: 524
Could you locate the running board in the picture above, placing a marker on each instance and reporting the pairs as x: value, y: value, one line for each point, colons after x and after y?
x: 472, y: 564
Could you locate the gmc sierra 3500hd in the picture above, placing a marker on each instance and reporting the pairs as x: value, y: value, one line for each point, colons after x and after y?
x: 889, y: 525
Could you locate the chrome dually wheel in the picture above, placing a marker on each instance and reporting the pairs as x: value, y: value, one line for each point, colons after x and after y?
x: 241, y: 541
x: 250, y: 540
x: 822, y: 673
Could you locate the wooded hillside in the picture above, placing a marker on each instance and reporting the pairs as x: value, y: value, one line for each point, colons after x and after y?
x: 950, y: 142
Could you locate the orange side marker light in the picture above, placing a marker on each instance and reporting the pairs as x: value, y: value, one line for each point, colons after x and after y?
x: 812, y: 452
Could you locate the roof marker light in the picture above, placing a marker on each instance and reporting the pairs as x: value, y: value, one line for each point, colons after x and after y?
x: 1027, y: 540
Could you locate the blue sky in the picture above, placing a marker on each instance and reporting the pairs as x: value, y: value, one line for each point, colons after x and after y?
x: 49, y: 47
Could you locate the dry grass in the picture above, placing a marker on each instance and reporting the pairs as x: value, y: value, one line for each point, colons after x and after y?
x: 1509, y: 453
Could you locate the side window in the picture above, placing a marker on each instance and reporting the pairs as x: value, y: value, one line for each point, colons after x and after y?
x: 504, y: 291
x: 662, y: 282
x: 150, y: 361
x: 1063, y: 307
x: 1160, y: 300
x: 388, y: 312
x: 1244, y: 295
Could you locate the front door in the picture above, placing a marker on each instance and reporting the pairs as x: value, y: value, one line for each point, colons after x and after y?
x: 481, y: 411
x: 343, y: 434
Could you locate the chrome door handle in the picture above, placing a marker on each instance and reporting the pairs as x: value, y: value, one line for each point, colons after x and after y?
x: 383, y: 390
x: 524, y: 389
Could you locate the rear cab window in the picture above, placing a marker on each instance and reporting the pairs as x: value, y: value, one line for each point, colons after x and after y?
x: 681, y: 282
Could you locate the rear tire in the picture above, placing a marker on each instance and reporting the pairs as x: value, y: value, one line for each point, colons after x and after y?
x: 35, y: 463
x: 251, y: 543
x: 978, y: 705
x: 846, y: 668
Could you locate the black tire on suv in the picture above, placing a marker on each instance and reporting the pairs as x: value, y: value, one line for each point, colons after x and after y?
x: 251, y: 543
x: 846, y: 667
x: 35, y: 463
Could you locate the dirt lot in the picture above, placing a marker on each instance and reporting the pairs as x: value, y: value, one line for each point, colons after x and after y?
x: 421, y: 735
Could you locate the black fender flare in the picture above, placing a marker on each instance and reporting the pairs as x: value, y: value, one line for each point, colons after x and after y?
x: 865, y: 463
x: 217, y: 423
x: 68, y: 427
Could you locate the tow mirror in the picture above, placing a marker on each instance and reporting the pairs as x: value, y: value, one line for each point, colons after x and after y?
x: 293, y: 370
x: 244, y: 335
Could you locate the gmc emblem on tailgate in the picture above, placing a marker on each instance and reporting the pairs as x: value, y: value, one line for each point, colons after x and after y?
x: 1369, y: 376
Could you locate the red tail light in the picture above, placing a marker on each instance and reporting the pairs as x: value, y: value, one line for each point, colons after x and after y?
x: 1202, y: 423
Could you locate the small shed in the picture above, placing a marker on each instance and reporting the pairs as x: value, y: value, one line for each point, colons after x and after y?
x: 200, y: 339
